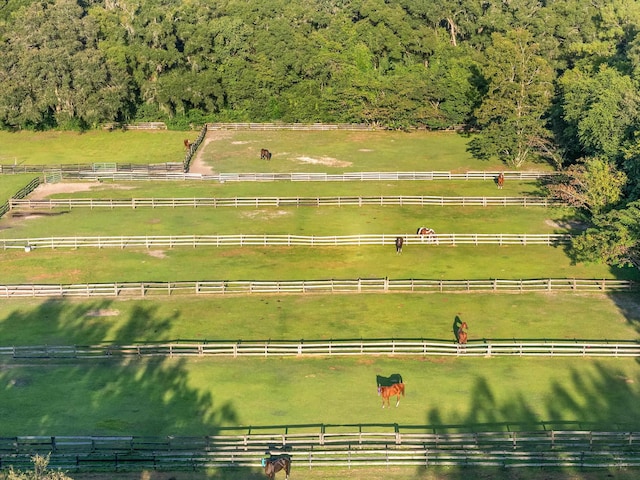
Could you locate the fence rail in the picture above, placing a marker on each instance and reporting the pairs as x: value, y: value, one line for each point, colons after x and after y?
x: 320, y: 286
x: 584, y: 448
x: 291, y: 126
x: 86, y: 170
x: 171, y: 241
x: 257, y: 202
x: 307, y: 177
x: 328, y: 348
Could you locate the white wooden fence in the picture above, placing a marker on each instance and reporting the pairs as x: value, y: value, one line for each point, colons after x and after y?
x: 328, y: 348
x: 292, y: 126
x: 257, y: 202
x: 172, y: 241
x: 307, y: 177
x: 351, y: 449
x: 330, y: 286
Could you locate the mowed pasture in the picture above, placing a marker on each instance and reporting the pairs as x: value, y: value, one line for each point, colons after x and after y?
x: 199, y: 396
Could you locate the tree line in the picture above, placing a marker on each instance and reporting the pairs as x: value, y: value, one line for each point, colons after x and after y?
x: 550, y: 80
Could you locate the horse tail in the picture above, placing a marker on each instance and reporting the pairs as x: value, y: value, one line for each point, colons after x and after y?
x: 401, y: 388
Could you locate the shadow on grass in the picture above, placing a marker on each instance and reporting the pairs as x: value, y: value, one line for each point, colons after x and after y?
x: 583, y: 396
x: 115, y: 396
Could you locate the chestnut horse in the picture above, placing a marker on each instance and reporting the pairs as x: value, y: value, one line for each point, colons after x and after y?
x: 386, y: 392
x: 501, y: 180
x: 187, y: 143
x: 273, y: 465
x: 461, y: 334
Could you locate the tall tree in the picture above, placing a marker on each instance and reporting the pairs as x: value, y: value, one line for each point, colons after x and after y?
x: 599, y: 111
x: 519, y: 91
x: 52, y: 73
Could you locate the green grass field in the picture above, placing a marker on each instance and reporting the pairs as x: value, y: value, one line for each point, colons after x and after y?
x: 55, y: 147
x: 200, y: 396
x: 86, y: 265
x: 319, y: 317
x: 197, y: 397
x: 349, y: 220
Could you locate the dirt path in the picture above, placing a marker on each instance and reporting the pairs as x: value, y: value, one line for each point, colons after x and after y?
x: 197, y: 163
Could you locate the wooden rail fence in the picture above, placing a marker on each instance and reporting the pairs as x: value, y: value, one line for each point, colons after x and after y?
x: 320, y: 286
x: 323, y: 448
x: 306, y: 177
x: 257, y: 202
x: 171, y: 241
x: 328, y: 348
x: 292, y: 126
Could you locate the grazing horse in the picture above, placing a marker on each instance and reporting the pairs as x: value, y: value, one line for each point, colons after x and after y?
x: 430, y: 233
x: 461, y: 333
x: 501, y: 180
x: 265, y: 154
x: 273, y: 465
x: 187, y: 144
x: 386, y: 392
x: 399, y: 242
x: 425, y: 231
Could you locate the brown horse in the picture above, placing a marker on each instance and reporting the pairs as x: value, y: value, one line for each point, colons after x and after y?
x: 187, y: 144
x: 399, y: 243
x: 386, y: 392
x: 461, y: 334
x: 265, y: 154
x: 501, y: 180
x: 273, y: 465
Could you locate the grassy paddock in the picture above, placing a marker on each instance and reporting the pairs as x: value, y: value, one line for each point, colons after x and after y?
x: 208, y: 189
x: 338, y: 151
x: 196, y: 397
x: 351, y: 220
x: 56, y: 147
x: 290, y: 317
x: 92, y: 265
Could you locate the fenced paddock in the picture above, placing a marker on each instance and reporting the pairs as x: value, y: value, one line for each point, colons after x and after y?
x: 328, y: 286
x: 397, y: 445
x: 258, y: 202
x: 320, y: 348
x: 170, y: 241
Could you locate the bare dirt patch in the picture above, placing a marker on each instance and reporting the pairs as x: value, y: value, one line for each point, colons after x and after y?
x: 197, y: 163
x: 157, y: 253
x: 103, y: 312
x: 328, y: 161
x: 265, y: 214
x: 566, y: 224
x: 45, y: 190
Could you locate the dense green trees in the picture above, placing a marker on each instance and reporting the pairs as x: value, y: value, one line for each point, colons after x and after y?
x: 556, y: 80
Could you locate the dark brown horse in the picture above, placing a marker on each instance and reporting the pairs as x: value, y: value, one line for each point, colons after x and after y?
x: 396, y: 389
x: 265, y: 154
x: 273, y: 465
x: 501, y: 180
x: 461, y: 333
x: 399, y: 243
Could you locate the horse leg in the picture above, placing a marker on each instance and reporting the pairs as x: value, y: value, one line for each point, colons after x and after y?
x: 398, y: 401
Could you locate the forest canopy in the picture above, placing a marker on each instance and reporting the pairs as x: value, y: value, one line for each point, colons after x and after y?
x: 537, y: 79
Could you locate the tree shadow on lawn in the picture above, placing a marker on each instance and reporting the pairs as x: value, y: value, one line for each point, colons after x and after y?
x: 114, y: 396
x: 583, y: 398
